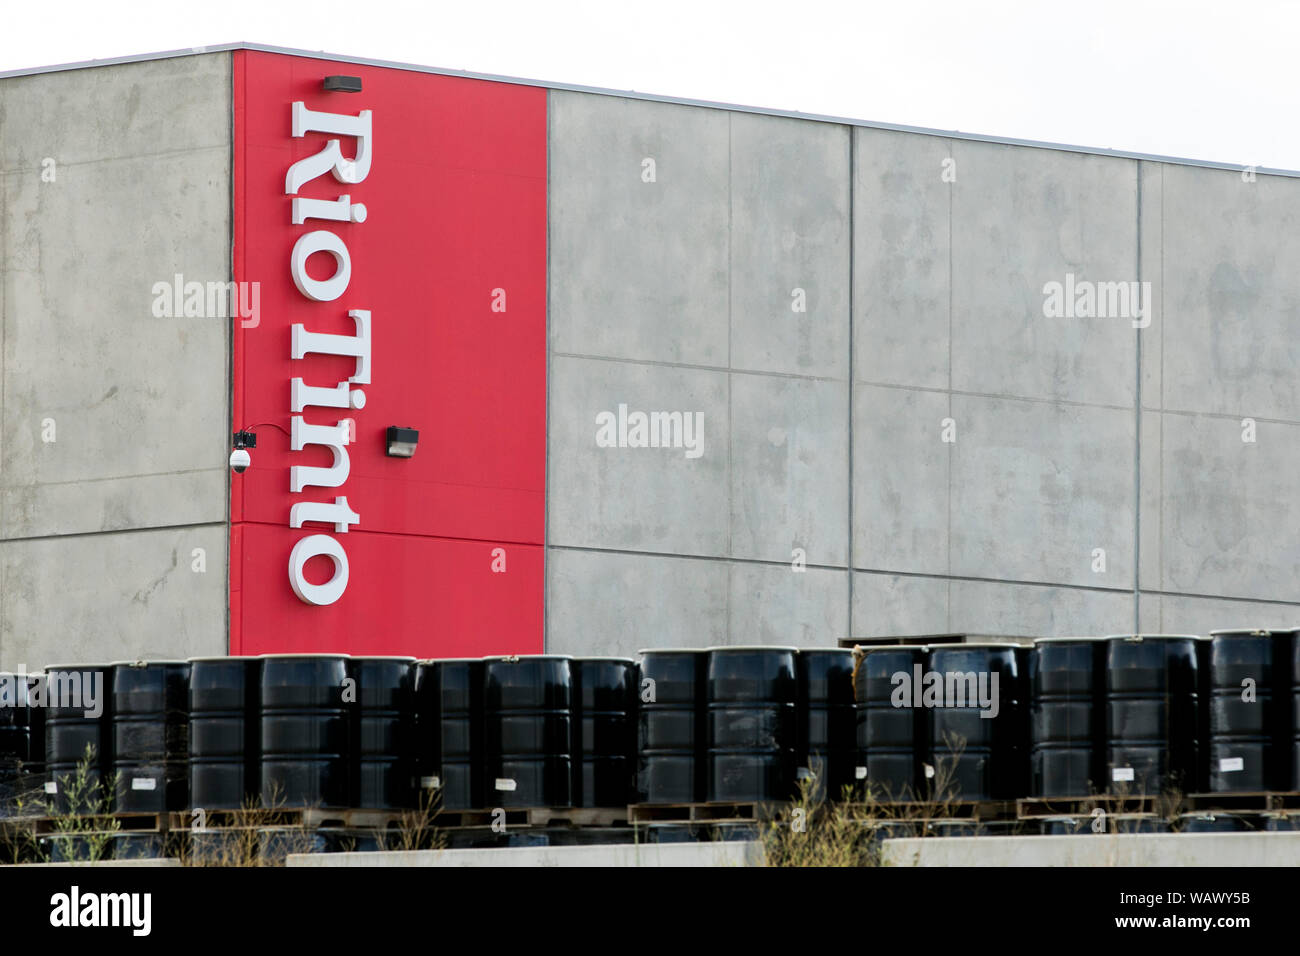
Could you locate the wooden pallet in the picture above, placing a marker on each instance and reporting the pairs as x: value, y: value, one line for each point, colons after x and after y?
x: 89, y: 823
x: 530, y: 817
x: 702, y: 812
x: 290, y: 817
x: 1036, y: 808
x: 1256, y: 801
x: 909, y: 810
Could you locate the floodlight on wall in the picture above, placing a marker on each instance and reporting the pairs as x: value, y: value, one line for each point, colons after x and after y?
x: 342, y: 84
x: 401, y: 441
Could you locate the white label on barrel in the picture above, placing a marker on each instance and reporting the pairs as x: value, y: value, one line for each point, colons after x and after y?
x: 860, y: 773
x: 51, y: 787
x: 1122, y: 773
x: 929, y: 771
x: 143, y: 783
x: 1230, y: 764
x: 430, y: 783
x: 505, y: 783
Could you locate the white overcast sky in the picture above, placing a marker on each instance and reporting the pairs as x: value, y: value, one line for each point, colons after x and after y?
x: 1204, y: 80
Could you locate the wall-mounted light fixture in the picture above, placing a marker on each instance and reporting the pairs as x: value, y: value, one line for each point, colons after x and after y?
x: 401, y: 441
x: 342, y: 84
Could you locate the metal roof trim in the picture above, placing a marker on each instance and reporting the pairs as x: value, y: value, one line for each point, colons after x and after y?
x: 655, y: 98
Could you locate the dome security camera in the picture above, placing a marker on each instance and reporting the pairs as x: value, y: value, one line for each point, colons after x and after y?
x: 240, y: 461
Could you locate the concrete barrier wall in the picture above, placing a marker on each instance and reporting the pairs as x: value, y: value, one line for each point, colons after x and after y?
x: 657, y: 854
x: 1124, y: 849
x: 113, y: 477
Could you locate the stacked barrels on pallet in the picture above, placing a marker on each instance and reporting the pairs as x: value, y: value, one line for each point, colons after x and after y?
x: 943, y: 722
x: 150, y: 736
x: 22, y: 738
x: 1065, y: 717
x: 1121, y: 714
x: 1143, y: 714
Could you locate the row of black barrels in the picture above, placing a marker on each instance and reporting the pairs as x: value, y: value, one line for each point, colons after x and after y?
x: 1063, y: 717
x: 725, y: 724
x: 1129, y: 714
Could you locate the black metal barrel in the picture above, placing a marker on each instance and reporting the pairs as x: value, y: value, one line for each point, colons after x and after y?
x: 827, y: 724
x: 151, y: 726
x: 892, y: 725
x: 1249, y: 684
x: 384, y: 768
x: 225, y: 732
x: 1067, y: 716
x: 1294, y: 655
x: 77, y: 731
x: 449, y: 719
x: 306, y: 723
x: 751, y: 695
x: 979, y: 727
x: 1152, y: 713
x: 670, y: 738
x: 528, y: 709
x: 607, y: 698
x: 33, y: 770
x: 15, y: 738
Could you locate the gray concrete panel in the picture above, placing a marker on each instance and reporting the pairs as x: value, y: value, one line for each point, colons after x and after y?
x: 123, y: 394
x: 789, y: 469
x: 1038, y: 611
x: 900, y: 480
x: 789, y: 231
x: 1037, y: 488
x: 1152, y: 249
x: 1022, y: 218
x: 108, y: 597
x: 774, y: 604
x: 638, y: 269
x: 901, y: 267
x: 1232, y: 293
x: 615, y: 604
x: 645, y: 499
x: 1183, y: 614
x: 889, y: 604
x: 1230, y: 512
x: 115, y: 112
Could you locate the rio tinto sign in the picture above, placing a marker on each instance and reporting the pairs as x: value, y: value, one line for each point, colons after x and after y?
x: 318, y: 238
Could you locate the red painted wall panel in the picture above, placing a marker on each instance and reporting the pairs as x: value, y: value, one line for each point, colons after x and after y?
x: 456, y: 200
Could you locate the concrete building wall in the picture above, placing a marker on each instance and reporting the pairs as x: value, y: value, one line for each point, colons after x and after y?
x: 699, y: 263
x: 948, y: 457
x: 113, y: 478
x: 831, y: 301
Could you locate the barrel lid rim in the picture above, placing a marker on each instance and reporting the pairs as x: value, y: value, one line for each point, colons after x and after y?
x: 72, y: 667
x: 751, y: 647
x: 673, y: 650
x: 1254, y: 631
x: 874, y: 648
x: 1153, y: 637
x: 449, y: 660
x: 222, y: 657
x: 605, y: 657
x: 142, y: 663
x: 382, y: 657
x: 1067, y: 639
x: 325, y: 655
x: 825, y: 650
x: 979, y: 644
x: 516, y: 658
